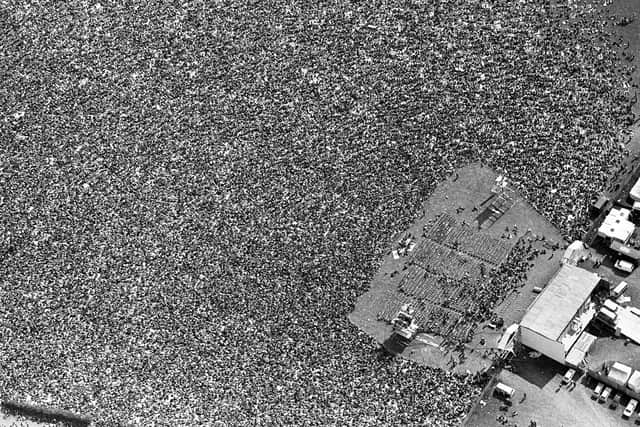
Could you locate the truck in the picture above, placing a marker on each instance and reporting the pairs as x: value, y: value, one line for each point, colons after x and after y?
x: 619, y: 289
x: 607, y: 317
x: 568, y: 376
x: 623, y: 265
x: 504, y: 391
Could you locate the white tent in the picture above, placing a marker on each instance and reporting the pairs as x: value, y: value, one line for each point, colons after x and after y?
x: 634, y: 382
x: 619, y: 373
x: 635, y: 191
x: 573, y: 253
x: 617, y: 226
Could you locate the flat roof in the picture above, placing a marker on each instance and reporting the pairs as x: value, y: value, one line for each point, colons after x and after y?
x: 555, y: 307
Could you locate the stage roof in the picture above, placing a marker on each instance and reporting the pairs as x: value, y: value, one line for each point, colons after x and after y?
x: 560, y: 300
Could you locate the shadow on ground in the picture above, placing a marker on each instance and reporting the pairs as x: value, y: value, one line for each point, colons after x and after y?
x: 394, y: 345
x: 539, y: 371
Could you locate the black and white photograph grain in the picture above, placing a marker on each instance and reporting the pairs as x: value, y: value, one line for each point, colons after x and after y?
x: 331, y: 213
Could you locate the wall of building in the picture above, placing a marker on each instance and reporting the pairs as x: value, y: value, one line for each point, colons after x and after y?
x: 535, y: 341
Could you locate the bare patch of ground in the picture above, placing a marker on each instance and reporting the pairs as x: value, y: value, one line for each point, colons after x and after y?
x: 547, y: 402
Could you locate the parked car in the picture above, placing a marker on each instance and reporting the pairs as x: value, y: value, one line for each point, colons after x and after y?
x: 597, y: 391
x: 631, y: 407
x: 568, y: 376
x: 605, y: 394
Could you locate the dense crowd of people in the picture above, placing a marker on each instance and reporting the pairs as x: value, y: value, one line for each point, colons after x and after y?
x: 194, y: 195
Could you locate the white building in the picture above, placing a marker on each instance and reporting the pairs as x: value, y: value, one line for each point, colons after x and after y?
x: 558, y: 316
x: 617, y: 226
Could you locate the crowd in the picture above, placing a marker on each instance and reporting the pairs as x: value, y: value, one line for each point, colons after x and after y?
x: 441, y: 260
x: 463, y: 238
x: 193, y: 194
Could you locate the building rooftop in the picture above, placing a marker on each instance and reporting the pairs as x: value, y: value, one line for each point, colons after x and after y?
x: 617, y: 226
x: 555, y: 307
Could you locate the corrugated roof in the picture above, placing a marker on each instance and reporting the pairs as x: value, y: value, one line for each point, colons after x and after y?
x: 554, y: 308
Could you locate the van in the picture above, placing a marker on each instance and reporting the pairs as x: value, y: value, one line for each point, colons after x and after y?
x: 610, y: 305
x: 607, y: 316
x: 631, y: 407
x: 623, y: 265
x: 504, y: 390
x: 619, y: 290
x: 605, y: 395
x: 568, y: 376
x: 597, y: 391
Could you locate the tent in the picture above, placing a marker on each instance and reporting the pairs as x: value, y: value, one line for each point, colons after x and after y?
x: 617, y: 226
x: 619, y: 373
x: 573, y: 253
x: 635, y: 191
x: 634, y: 382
